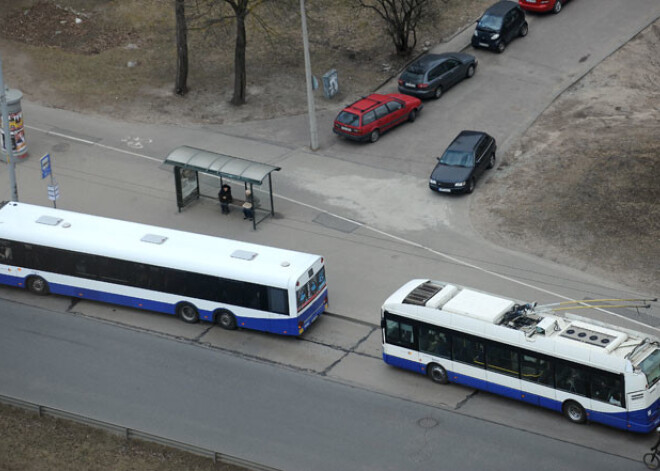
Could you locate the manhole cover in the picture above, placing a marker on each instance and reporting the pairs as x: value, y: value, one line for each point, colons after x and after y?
x: 427, y: 422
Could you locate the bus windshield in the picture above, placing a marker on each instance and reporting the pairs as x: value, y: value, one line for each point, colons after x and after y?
x: 651, y: 367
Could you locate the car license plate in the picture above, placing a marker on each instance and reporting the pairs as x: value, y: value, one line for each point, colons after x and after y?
x: 483, y: 44
x: 531, y: 1
x: 410, y: 85
x: 444, y: 190
x: 344, y: 128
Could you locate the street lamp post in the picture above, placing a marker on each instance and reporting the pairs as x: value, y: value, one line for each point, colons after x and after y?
x: 314, y: 144
x: 8, y: 143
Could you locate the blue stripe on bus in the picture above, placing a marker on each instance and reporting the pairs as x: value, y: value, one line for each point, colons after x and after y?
x: 12, y: 280
x: 285, y: 325
x: 634, y: 421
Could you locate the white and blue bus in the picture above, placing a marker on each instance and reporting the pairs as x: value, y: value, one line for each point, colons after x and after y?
x: 582, y: 368
x: 196, y: 277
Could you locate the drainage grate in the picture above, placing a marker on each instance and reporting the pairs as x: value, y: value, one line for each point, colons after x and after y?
x: 336, y: 223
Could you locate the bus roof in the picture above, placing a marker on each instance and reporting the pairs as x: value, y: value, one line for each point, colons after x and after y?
x: 152, y: 245
x: 522, y: 324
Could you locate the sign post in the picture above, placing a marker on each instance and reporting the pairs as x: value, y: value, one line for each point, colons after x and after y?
x: 53, y: 188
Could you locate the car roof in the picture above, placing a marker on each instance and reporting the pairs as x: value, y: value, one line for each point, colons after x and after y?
x: 424, y: 61
x: 368, y: 103
x: 501, y: 8
x: 466, y: 140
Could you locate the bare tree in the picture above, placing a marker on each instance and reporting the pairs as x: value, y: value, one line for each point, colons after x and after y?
x: 241, y: 9
x: 181, y: 82
x: 401, y: 18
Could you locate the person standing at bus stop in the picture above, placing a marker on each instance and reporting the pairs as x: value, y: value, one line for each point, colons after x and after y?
x: 225, y: 198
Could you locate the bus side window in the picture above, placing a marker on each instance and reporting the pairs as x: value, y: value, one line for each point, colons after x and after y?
x: 5, y: 251
x: 571, y: 379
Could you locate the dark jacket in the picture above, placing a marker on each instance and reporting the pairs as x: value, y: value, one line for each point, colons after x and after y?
x: 225, y: 194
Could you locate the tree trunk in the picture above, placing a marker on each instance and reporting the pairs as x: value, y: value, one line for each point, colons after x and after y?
x: 239, y: 59
x: 181, y: 83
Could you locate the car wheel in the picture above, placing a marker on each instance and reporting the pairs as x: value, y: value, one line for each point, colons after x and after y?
x: 470, y: 186
x: 524, y: 29
x: 470, y: 71
x: 438, y: 93
x: 188, y: 313
x: 226, y: 320
x: 375, y: 134
x: 491, y: 160
x: 37, y: 285
x: 437, y: 373
x: 557, y: 8
x: 501, y: 47
x: 412, y: 116
x: 574, y: 412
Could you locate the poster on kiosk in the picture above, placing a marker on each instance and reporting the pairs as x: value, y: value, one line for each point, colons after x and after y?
x: 16, y: 127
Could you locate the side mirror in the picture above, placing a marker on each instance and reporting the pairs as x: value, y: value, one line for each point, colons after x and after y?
x: 438, y: 159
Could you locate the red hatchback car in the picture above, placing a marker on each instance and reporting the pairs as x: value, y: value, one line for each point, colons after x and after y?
x: 370, y: 116
x: 542, y: 5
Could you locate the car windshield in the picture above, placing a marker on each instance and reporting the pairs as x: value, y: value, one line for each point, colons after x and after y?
x: 490, y: 23
x: 350, y: 119
x: 455, y: 158
x: 651, y: 367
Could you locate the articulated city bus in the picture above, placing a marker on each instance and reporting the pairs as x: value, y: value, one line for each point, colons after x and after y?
x: 585, y: 369
x: 196, y: 277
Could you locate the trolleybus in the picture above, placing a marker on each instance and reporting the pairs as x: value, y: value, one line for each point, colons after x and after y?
x: 196, y: 277
x: 583, y: 368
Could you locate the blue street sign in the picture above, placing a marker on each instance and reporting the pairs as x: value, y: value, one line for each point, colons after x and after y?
x: 45, y: 166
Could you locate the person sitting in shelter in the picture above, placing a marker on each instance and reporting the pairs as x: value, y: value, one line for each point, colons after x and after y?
x: 251, y: 202
x: 225, y: 198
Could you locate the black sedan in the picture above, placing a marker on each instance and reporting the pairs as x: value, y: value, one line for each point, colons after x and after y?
x: 433, y: 74
x: 466, y: 158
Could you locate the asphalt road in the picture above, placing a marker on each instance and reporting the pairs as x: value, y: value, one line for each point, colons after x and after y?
x: 254, y: 410
x: 394, y: 230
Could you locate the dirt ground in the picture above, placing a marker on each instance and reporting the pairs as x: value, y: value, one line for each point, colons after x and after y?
x: 581, y: 187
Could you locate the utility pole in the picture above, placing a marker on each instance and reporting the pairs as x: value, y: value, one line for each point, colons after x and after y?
x: 314, y: 135
x: 8, y: 144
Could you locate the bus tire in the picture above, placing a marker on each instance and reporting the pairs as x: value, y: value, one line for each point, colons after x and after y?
x: 574, y: 412
x: 187, y: 312
x: 437, y: 373
x: 226, y: 320
x: 37, y: 285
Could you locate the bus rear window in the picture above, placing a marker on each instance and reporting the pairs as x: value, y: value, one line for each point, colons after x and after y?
x: 650, y: 366
x: 307, y: 292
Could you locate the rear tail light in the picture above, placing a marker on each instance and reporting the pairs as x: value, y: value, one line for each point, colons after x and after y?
x: 422, y: 85
x: 400, y: 82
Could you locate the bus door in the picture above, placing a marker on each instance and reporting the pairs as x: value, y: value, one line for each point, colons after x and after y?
x: 401, y: 347
x: 469, y: 361
x: 537, y: 380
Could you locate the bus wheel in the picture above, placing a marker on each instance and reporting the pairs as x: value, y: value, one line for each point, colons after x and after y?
x: 574, y: 412
x: 437, y: 373
x: 226, y: 320
x: 37, y: 285
x: 187, y: 312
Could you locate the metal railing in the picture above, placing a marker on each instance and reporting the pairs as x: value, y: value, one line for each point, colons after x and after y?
x: 130, y: 433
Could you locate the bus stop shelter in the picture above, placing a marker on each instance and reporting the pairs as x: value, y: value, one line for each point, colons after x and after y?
x: 191, y: 165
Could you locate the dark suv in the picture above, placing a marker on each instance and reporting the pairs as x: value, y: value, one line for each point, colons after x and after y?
x: 466, y: 158
x: 499, y: 25
x: 433, y: 74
